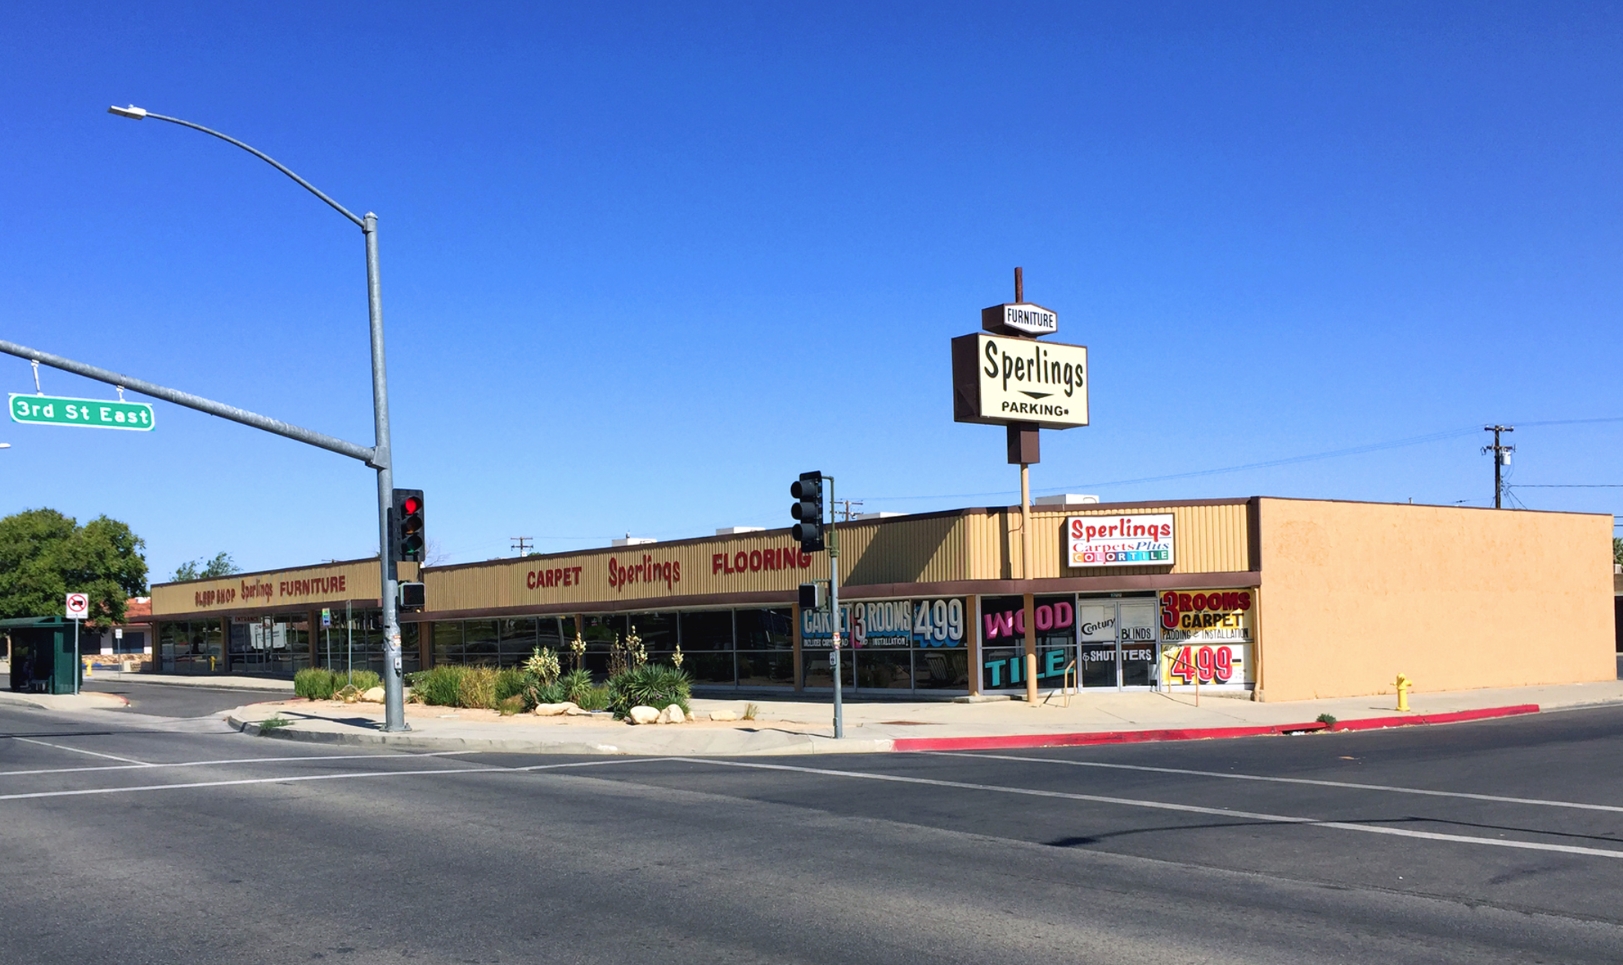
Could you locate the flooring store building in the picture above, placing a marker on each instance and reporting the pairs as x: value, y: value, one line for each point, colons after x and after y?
x: 1287, y: 598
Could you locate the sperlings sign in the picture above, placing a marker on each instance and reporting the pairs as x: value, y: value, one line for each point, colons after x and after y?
x: 1119, y: 540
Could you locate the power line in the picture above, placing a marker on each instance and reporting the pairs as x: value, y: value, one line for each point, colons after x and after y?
x: 1269, y: 464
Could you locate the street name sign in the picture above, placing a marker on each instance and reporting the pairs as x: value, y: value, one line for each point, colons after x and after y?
x: 999, y: 380
x: 92, y: 413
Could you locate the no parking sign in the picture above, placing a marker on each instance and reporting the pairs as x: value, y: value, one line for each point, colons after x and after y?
x: 78, y: 607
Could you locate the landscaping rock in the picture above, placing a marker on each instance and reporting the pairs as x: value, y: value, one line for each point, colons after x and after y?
x: 554, y: 710
x: 374, y: 696
x: 575, y: 711
x: 723, y: 715
x: 672, y: 714
x: 642, y: 715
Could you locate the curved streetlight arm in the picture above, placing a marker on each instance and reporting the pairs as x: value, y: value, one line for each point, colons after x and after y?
x: 137, y: 113
x: 378, y: 457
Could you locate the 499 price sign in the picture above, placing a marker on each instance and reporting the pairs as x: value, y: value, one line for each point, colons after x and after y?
x: 890, y: 623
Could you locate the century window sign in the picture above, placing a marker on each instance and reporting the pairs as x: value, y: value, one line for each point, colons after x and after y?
x: 91, y: 413
x: 1000, y: 380
x: 1121, y: 540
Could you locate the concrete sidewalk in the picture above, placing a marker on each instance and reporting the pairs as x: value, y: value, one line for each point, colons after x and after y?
x: 804, y: 727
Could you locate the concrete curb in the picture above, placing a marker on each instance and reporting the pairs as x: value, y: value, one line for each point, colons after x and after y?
x: 1010, y: 741
x: 798, y: 745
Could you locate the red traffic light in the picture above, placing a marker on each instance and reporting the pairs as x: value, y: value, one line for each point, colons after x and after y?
x: 412, y: 504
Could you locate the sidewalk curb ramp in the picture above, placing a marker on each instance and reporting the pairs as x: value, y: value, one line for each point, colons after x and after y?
x: 795, y: 744
x: 1012, y: 741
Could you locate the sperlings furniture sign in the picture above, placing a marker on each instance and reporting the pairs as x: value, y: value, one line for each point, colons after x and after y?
x: 1119, y: 540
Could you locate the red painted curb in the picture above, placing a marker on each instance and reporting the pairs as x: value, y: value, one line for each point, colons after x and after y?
x: 1007, y: 741
x: 1452, y: 717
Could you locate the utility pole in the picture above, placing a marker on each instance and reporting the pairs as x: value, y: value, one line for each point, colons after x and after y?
x: 848, y: 503
x: 522, y: 544
x: 1501, y: 459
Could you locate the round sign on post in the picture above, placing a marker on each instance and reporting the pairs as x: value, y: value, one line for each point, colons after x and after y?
x: 78, y: 607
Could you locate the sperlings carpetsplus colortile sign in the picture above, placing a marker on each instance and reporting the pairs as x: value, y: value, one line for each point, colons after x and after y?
x: 1119, y: 540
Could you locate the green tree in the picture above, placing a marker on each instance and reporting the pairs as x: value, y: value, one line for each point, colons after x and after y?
x: 1617, y: 550
x: 199, y: 569
x: 45, y: 555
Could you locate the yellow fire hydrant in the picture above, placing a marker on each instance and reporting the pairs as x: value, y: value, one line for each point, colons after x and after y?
x: 1403, y: 684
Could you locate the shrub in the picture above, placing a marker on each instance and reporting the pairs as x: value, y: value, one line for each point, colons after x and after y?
x: 539, y: 693
x: 439, y: 686
x: 510, y: 683
x: 510, y: 705
x: 1329, y: 720
x: 650, y: 685
x: 593, y: 698
x: 577, y: 686
x: 477, y: 688
x: 324, y: 683
x: 363, y: 680
x: 314, y: 683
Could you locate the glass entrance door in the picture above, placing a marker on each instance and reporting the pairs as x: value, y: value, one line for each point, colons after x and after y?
x: 1136, y: 623
x: 1117, y: 640
x: 1096, y: 631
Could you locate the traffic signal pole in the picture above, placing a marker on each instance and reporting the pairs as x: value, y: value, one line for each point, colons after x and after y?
x: 834, y: 614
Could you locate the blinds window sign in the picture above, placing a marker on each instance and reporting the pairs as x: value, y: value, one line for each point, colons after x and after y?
x: 1140, y: 540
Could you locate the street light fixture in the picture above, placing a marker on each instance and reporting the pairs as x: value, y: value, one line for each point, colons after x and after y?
x: 381, y: 457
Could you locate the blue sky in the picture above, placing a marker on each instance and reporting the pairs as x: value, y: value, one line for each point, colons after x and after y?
x: 643, y: 264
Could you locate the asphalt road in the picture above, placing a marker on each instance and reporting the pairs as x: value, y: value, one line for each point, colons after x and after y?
x: 173, y: 700
x: 129, y: 838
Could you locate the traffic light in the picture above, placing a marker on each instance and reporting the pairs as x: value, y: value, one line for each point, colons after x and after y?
x: 812, y: 596
x: 808, y: 512
x: 408, y: 544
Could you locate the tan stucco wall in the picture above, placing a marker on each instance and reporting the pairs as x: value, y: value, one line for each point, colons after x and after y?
x: 1354, y: 593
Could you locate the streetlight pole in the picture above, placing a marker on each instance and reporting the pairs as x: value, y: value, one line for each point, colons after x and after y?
x: 382, y: 458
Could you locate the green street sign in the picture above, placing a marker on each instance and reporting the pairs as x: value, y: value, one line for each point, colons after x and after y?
x: 93, y: 413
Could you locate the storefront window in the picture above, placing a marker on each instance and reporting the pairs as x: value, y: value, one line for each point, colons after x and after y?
x: 707, y: 646
x: 915, y: 644
x: 518, y: 640
x: 765, y: 648
x: 447, y: 642
x: 1003, y: 631
x: 658, y: 632
x: 480, y: 642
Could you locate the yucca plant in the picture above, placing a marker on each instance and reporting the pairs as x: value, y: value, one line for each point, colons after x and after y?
x: 650, y: 685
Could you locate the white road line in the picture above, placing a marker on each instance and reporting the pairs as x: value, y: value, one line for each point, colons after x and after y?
x: 239, y: 760
x: 78, y: 750
x: 1497, y: 799
x: 82, y: 792
x: 1167, y: 806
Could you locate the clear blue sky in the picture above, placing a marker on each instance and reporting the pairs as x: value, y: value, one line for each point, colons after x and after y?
x: 643, y: 264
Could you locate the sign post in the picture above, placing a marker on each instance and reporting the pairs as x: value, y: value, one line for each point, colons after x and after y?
x: 1004, y: 376
x: 77, y: 608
